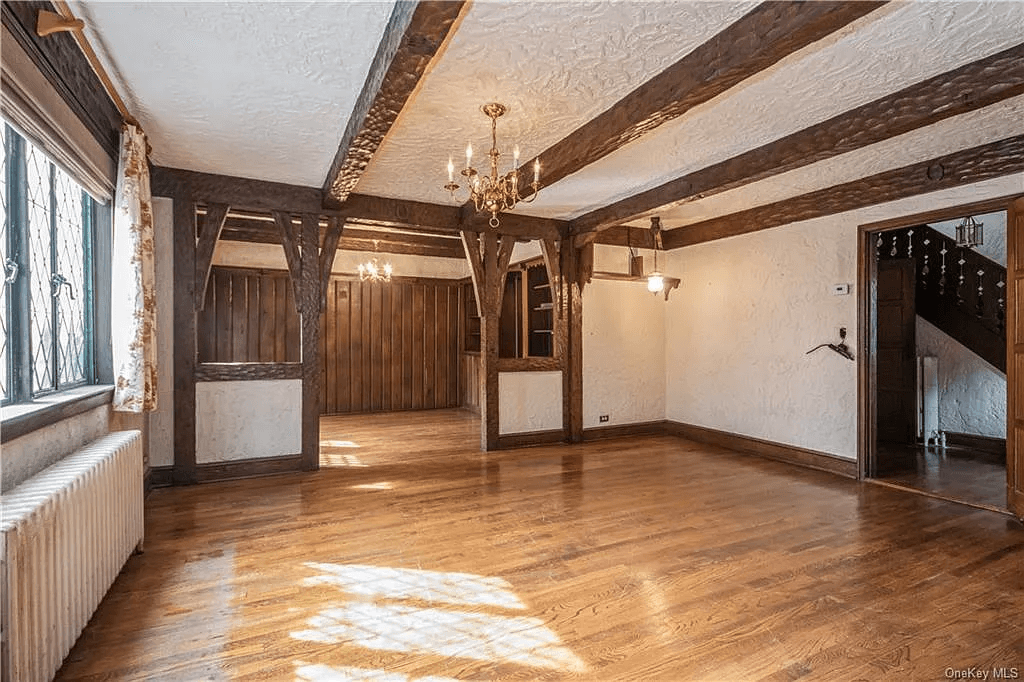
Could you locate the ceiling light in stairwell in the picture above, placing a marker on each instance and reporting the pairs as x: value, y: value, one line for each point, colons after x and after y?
x: 969, y: 233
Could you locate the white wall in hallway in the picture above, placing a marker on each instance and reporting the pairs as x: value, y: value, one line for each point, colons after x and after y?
x: 749, y: 307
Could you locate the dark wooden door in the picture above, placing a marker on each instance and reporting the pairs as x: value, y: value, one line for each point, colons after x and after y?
x: 1015, y: 359
x: 895, y: 361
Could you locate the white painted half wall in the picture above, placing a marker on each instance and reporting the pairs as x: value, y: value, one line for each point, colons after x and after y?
x: 972, y: 393
x: 748, y: 309
x: 529, y: 401
x: 623, y: 348
x: 237, y: 420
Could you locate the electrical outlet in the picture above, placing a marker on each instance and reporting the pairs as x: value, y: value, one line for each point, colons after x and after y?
x: 840, y: 289
x: 603, y: 418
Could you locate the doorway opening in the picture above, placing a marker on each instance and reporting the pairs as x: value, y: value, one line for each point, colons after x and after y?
x: 934, y: 332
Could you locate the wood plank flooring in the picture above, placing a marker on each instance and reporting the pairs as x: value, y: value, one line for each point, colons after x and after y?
x: 954, y: 475
x: 649, y: 558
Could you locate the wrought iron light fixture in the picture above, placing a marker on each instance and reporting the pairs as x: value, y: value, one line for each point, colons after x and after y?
x: 494, y: 193
x: 969, y: 233
x: 373, y: 271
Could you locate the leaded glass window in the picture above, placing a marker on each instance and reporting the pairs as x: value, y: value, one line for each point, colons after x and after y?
x: 46, y: 312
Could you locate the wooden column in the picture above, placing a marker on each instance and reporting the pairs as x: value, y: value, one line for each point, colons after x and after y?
x: 576, y: 263
x: 1015, y: 358
x: 184, y: 339
x: 488, y: 261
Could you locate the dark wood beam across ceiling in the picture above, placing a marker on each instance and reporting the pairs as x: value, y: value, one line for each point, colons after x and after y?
x: 263, y: 196
x: 965, y: 167
x: 759, y: 39
x: 970, y: 87
x: 414, y: 34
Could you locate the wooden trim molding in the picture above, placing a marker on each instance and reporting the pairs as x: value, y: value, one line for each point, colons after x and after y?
x: 248, y: 371
x: 790, y: 454
x: 160, y: 477
x: 552, y: 364
x: 528, y: 439
x: 987, y: 448
x: 248, y: 468
x: 968, y: 166
x: 652, y: 428
x: 968, y: 88
x: 414, y: 34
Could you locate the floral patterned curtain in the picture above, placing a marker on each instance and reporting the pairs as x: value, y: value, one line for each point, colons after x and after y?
x: 133, y: 304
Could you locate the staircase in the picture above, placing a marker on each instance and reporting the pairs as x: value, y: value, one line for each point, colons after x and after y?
x: 958, y: 290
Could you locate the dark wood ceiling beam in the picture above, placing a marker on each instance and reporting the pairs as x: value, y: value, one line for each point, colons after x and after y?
x: 261, y: 196
x: 446, y: 218
x: 965, y: 167
x: 970, y: 87
x: 759, y: 39
x: 414, y: 34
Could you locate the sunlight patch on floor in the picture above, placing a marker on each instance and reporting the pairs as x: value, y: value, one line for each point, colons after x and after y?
x: 306, y: 672
x: 382, y: 485
x: 410, y: 629
x: 461, y: 589
x: 373, y: 620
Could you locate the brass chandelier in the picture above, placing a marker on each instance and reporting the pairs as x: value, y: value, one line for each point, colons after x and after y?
x: 494, y: 193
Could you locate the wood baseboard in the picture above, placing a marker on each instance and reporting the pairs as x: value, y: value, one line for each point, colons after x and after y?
x: 163, y: 477
x: 982, y: 447
x: 784, y: 453
x: 160, y: 477
x: 530, y: 438
x: 653, y: 428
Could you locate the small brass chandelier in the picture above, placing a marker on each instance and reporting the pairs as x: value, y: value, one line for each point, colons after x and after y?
x: 374, y: 272
x: 494, y: 193
x: 969, y: 233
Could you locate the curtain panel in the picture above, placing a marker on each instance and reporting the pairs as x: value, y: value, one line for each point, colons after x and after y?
x: 133, y: 293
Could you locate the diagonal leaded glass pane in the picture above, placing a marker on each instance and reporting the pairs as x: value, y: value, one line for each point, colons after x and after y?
x: 5, y: 370
x: 68, y: 198
x: 40, y: 258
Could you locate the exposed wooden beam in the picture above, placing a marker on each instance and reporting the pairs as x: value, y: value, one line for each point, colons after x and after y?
x: 184, y: 264
x: 765, y: 35
x: 292, y: 255
x: 637, y: 237
x: 312, y: 374
x: 414, y: 34
x: 399, y: 212
x: 263, y: 196
x: 213, y: 223
x: 968, y: 166
x: 335, y: 226
x: 970, y: 87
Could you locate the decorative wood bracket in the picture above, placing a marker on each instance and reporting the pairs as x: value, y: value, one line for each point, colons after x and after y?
x: 335, y: 226
x: 50, y: 22
x: 291, y: 254
x: 213, y: 223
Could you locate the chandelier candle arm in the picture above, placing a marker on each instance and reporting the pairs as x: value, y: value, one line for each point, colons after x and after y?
x: 494, y: 193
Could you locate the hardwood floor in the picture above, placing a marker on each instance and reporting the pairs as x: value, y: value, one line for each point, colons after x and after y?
x: 649, y: 558
x: 953, y: 475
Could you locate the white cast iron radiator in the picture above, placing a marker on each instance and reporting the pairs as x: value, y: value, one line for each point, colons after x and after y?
x: 67, y: 531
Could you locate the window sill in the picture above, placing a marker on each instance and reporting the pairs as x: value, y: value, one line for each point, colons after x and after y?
x: 24, y: 418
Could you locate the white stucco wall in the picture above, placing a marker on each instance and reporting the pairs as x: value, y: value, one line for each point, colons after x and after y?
x: 623, y: 351
x: 972, y: 394
x: 529, y: 401
x: 161, y: 422
x: 247, y: 255
x: 748, y: 309
x: 248, y: 419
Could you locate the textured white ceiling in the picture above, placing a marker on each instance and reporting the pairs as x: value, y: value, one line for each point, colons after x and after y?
x: 254, y: 89
x: 993, y: 123
x: 889, y: 49
x: 555, y: 64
